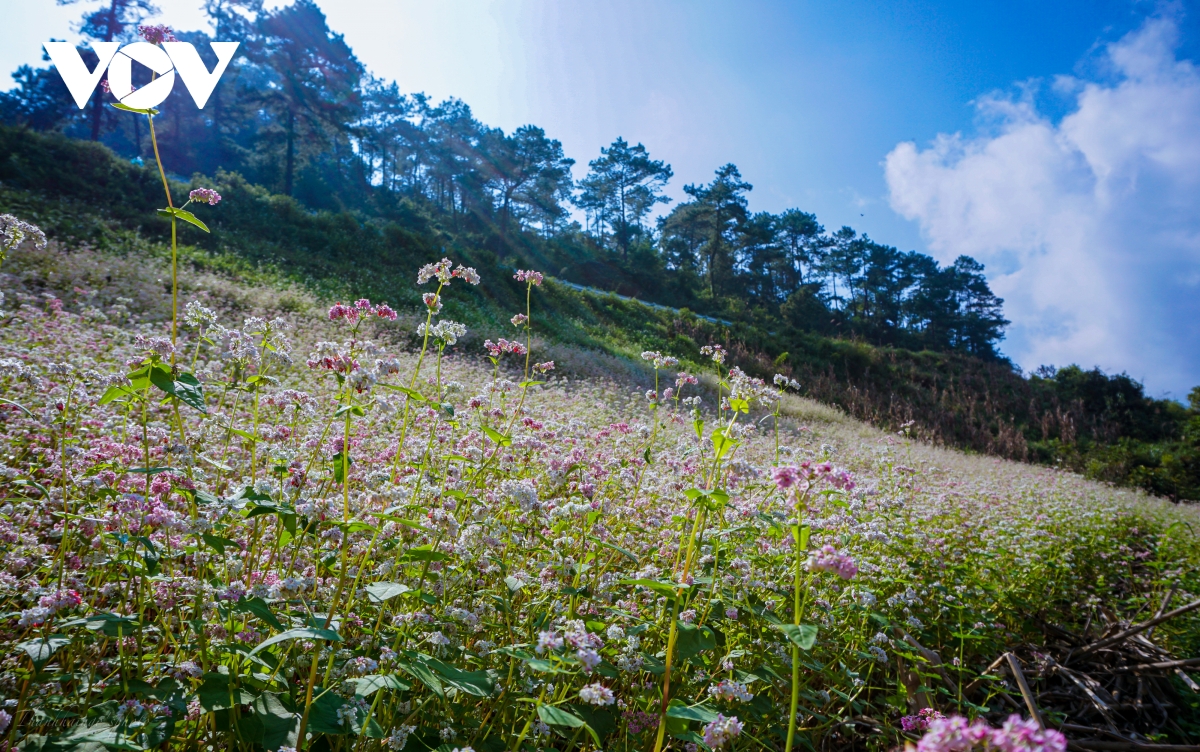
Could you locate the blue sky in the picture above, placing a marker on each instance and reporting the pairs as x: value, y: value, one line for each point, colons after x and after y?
x: 902, y: 119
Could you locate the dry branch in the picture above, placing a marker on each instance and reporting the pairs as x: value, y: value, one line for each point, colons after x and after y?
x: 1015, y: 666
x: 1120, y: 636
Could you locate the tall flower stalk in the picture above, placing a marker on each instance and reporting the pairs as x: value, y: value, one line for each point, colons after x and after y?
x: 157, y: 35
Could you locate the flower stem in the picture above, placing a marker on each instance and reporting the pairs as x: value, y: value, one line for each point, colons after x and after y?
x: 174, y: 241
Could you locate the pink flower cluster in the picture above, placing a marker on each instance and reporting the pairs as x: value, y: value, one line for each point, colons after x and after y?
x: 787, y: 477
x: 362, y: 308
x: 638, y: 721
x: 157, y: 34
x: 60, y: 600
x: 685, y: 378
x: 828, y: 559
x: 722, y: 731
x: 443, y: 272
x: 205, y: 196
x: 339, y: 362
x: 496, y: 349
x: 160, y: 346
x: 543, y: 367
x: 957, y: 734
x: 921, y: 720
x: 530, y: 276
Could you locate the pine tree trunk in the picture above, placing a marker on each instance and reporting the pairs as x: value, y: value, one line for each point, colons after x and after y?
x: 290, y: 164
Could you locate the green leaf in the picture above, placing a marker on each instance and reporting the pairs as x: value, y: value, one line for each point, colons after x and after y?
x: 340, y: 467
x: 413, y: 394
x: 623, y: 551
x: 722, y: 443
x: 662, y: 588
x: 190, y: 392
x: 542, y: 665
x: 386, y: 515
x: 17, y: 405
x: 42, y: 649
x: 477, y: 683
x: 497, y: 437
x: 114, y: 392
x: 218, y: 543
x: 186, y: 216
x: 423, y: 674
x: 248, y: 493
x: 150, y: 111
x: 602, y: 720
x: 527, y: 384
x: 702, y: 713
x: 215, y: 693
x: 698, y: 425
x: 739, y: 405
x: 351, y: 409
x: 804, y: 636
x: 323, y: 714
x: 424, y: 553
x: 280, y: 725
x: 553, y: 716
x: 259, y: 608
x: 244, y: 434
x: 113, y: 625
x: 303, y: 633
x: 385, y: 591
x: 186, y: 388
x: 691, y: 640
x: 32, y: 484
x: 259, y: 510
x: 368, y: 685
x: 214, y: 463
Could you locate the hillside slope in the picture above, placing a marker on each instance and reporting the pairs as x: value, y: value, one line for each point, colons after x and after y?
x: 509, y: 565
x: 1100, y: 425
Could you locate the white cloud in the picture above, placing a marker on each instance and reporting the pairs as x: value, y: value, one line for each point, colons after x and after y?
x: 1089, y: 226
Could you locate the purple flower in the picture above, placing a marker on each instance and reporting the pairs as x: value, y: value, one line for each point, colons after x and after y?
x: 205, y: 196
x: 722, y: 731
x: 785, y: 477
x: 921, y: 720
x: 589, y: 658
x: 548, y: 641
x: 157, y: 34
x: 530, y: 276
x: 828, y: 559
x: 956, y: 734
x: 342, y: 311
x: 60, y: 600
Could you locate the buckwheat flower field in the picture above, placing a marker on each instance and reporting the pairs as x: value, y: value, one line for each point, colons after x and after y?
x: 304, y: 526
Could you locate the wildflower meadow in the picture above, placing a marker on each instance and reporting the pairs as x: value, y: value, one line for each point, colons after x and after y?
x: 229, y: 524
x: 317, y: 530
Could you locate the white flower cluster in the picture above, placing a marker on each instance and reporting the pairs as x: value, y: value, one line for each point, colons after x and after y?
x: 446, y: 332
